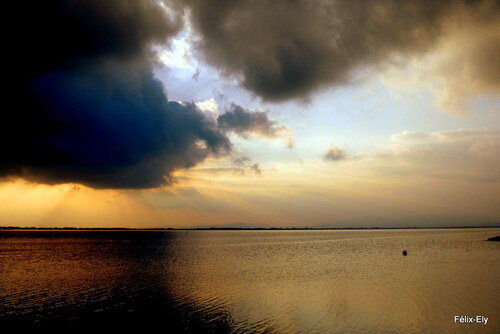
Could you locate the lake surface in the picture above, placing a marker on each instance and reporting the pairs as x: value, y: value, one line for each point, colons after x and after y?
x: 353, y: 281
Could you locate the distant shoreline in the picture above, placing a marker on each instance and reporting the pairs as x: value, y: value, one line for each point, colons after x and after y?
x: 238, y: 228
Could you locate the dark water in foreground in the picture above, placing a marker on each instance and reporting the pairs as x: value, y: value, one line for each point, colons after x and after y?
x: 250, y: 281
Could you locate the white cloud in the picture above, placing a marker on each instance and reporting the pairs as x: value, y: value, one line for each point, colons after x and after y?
x: 178, y: 56
x: 409, y: 136
x: 209, y: 106
x: 469, y: 154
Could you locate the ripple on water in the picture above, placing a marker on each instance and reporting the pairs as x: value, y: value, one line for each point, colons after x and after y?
x: 254, y: 281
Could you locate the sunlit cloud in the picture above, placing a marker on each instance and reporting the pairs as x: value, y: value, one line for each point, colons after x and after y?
x: 462, y: 67
x: 178, y: 56
x: 189, y: 113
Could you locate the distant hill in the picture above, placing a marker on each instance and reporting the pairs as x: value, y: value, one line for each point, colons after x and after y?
x: 232, y: 225
x: 421, y: 221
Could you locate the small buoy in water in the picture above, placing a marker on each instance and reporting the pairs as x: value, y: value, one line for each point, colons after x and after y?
x: 405, y: 252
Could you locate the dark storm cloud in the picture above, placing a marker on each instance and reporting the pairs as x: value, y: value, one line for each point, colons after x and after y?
x: 335, y: 154
x: 83, y: 105
x: 55, y: 33
x: 244, y: 122
x: 283, y: 49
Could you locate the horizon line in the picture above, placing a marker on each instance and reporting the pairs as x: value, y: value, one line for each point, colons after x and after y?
x: 213, y: 228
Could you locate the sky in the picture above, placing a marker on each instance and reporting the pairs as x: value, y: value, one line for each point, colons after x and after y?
x: 194, y: 113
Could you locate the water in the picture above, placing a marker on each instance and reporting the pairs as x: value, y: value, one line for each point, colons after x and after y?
x: 251, y: 281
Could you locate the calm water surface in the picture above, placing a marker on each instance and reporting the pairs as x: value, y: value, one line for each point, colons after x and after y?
x: 251, y: 281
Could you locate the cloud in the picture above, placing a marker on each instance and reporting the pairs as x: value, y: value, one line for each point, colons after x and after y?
x: 465, y: 154
x: 289, y: 49
x: 256, y: 169
x: 459, y: 74
x: 246, y: 123
x: 68, y: 33
x: 209, y: 106
x: 241, y: 161
x: 84, y: 104
x: 335, y: 154
x: 239, y: 165
x: 246, y: 162
x: 409, y: 136
x: 462, y: 65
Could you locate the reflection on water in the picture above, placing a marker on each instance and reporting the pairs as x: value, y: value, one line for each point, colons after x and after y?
x: 251, y: 281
